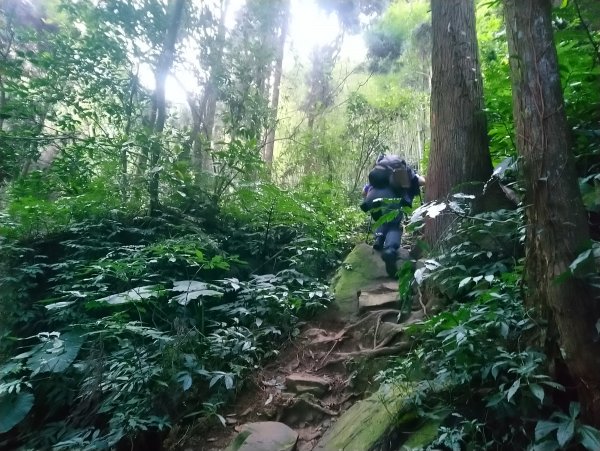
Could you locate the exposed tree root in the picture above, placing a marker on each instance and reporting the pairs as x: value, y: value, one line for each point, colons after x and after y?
x: 377, y: 316
x: 377, y: 352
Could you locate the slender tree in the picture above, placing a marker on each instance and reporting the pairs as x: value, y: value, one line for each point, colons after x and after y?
x: 163, y: 67
x: 277, y: 72
x: 459, y: 146
x: 556, y: 223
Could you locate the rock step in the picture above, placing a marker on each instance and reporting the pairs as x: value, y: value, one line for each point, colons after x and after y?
x: 380, y: 296
x: 307, y: 383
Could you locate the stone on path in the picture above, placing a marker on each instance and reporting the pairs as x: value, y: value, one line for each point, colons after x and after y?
x: 307, y: 383
x: 264, y: 436
x: 384, y: 295
x: 362, y: 268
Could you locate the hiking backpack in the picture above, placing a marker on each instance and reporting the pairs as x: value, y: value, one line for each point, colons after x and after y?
x: 392, y: 171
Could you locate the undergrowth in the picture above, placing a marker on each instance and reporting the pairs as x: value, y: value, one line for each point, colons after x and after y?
x: 487, y: 384
x: 115, y: 326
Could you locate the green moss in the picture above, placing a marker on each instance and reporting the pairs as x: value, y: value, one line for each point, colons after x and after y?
x: 369, y: 421
x: 362, y: 268
x: 422, y: 437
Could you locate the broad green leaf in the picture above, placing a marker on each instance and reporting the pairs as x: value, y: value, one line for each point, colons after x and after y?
x: 565, y: 432
x: 13, y: 409
x: 192, y: 289
x: 463, y: 282
x: 574, y: 409
x: 581, y: 258
x: 538, y: 391
x: 136, y: 294
x: 548, y: 445
x: 589, y: 437
x: 513, y: 389
x: 185, y: 298
x: 543, y: 428
x: 59, y: 305
x: 56, y: 354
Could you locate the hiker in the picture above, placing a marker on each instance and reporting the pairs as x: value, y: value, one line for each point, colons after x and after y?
x: 391, y: 178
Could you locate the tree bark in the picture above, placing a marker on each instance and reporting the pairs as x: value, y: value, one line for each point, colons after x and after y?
x: 163, y: 68
x: 556, y: 222
x: 459, y: 145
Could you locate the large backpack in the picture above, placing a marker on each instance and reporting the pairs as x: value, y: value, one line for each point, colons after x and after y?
x: 391, y: 171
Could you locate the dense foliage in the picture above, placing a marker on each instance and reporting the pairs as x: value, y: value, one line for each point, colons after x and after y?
x: 151, y: 256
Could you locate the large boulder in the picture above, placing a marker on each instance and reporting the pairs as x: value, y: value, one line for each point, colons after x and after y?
x: 362, y: 269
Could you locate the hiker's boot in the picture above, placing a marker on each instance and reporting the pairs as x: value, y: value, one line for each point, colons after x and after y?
x: 389, y: 256
x: 379, y: 240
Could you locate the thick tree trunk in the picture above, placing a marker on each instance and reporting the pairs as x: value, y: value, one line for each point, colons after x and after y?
x: 270, y: 147
x: 163, y: 67
x: 459, y: 147
x: 556, y: 222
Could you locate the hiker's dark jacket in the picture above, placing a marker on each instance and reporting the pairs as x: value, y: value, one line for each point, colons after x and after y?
x: 405, y: 197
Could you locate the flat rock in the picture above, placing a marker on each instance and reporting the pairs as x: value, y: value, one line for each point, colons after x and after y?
x: 381, y: 296
x: 307, y: 383
x: 264, y: 436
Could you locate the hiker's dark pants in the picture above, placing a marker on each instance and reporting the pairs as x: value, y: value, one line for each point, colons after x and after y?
x: 392, y: 231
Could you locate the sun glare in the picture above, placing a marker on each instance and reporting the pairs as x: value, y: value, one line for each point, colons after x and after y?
x: 310, y: 27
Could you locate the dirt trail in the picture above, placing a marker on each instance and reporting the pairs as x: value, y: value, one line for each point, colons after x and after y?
x: 322, y: 373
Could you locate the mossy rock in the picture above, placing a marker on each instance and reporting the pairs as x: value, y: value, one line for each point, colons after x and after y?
x: 362, y: 269
x: 422, y: 437
x: 367, y: 423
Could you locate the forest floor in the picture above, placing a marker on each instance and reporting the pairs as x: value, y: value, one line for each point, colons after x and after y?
x: 329, y: 367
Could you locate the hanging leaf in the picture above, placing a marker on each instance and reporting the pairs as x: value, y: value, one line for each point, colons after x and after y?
x: 13, y: 409
x: 513, y: 389
x: 538, y: 391
x: 581, y: 258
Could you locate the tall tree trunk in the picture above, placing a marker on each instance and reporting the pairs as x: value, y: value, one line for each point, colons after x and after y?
x: 205, y: 110
x: 163, y: 67
x: 124, y: 157
x: 459, y: 146
x: 270, y: 147
x: 556, y: 222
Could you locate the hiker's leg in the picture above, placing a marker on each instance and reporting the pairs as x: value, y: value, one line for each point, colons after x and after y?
x: 393, y: 238
x: 391, y: 245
